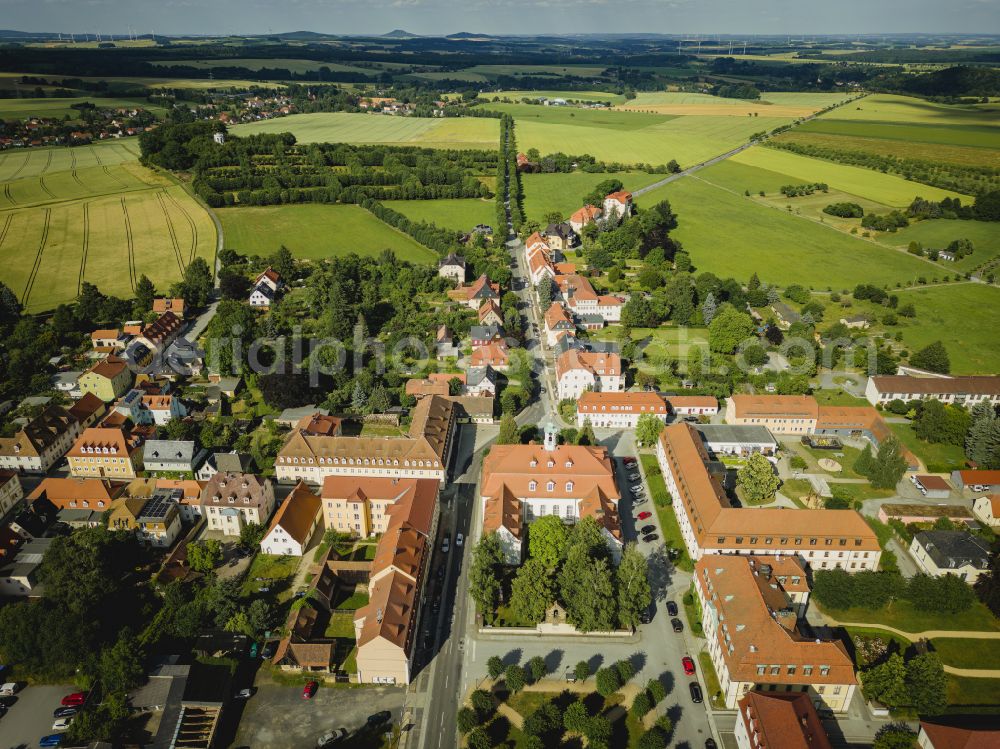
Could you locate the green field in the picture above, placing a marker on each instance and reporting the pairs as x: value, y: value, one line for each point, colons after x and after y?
x: 730, y: 235
x: 806, y: 101
x: 458, y: 214
x: 866, y: 183
x: 546, y: 193
x: 19, y: 109
x: 567, y: 95
x: 92, y: 213
x: 316, y: 231
x: 939, y: 233
x: 580, y: 71
x: 343, y: 127
x: 966, y: 317
x: 903, y: 149
x: 294, y: 66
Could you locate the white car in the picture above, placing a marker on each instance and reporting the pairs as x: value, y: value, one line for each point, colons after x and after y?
x: 459, y: 539
x: 637, y: 489
x: 62, y: 724
x: 445, y: 545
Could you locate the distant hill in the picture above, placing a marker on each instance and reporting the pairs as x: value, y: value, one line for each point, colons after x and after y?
x: 961, y: 80
x: 468, y: 35
x: 399, y: 34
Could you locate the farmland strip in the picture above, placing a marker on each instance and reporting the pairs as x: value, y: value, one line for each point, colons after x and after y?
x: 131, y: 245
x: 86, y: 246
x: 170, y: 230
x: 38, y: 259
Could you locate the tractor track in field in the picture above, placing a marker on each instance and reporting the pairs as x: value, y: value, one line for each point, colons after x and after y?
x: 38, y: 259
x: 46, y: 190
x: 131, y: 245
x: 86, y: 247
x: 8, y: 194
x: 48, y: 162
x: 123, y: 185
x: 191, y: 222
x: 27, y: 158
x: 170, y: 230
x: 96, y: 157
x: 6, y: 226
x: 77, y: 179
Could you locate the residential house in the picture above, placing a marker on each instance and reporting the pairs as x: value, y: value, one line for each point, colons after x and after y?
x: 108, y: 379
x: 959, y: 553
x: 67, y: 382
x: 484, y: 335
x: 986, y: 510
x: 856, y: 322
x: 524, y: 482
x: 269, y: 278
x: 124, y: 515
x: 106, y: 452
x: 578, y: 371
x: 159, y: 522
x: 481, y: 381
x: 77, y: 501
x: 424, y: 453
x: 163, y: 408
x: 291, y: 417
x: 11, y: 491
x: 481, y: 290
x: 422, y: 387
x: 159, y: 334
x: 617, y: 205
x: 977, y: 480
x: 740, y: 440
x: 693, y: 405
x: 495, y: 355
x: 583, y: 217
x: 786, y: 315
x: 581, y: 298
x: 779, y: 720
x: 444, y: 342
x: 167, y: 304
x: 171, y: 456
x: 959, y: 735
x: 859, y: 422
x: 825, y: 539
x: 231, y: 501
x: 359, y: 505
x: 109, y: 340
x: 294, y: 524
x: 88, y: 410
x: 490, y: 314
x: 217, y: 462
x: 618, y: 410
x: 453, y: 267
x: 37, y: 445
x: 265, y: 288
x: 19, y: 573
x: 754, y: 641
x: 965, y: 391
x: 560, y: 237
x: 558, y: 323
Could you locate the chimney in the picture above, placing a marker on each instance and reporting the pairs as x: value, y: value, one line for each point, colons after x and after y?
x: 378, y: 616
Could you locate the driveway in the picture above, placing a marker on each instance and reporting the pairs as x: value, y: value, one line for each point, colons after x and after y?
x: 277, y: 717
x: 30, y: 717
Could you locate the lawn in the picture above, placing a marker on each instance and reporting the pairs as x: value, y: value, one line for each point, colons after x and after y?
x: 457, y: 214
x: 276, y: 571
x: 902, y: 616
x: 660, y: 499
x: 549, y: 193
x: 346, y: 127
x: 972, y: 692
x: 711, y: 680
x: 962, y: 652
x: 730, y: 235
x: 838, y: 397
x: 866, y: 183
x: 939, y: 233
x: 937, y: 457
x: 316, y: 231
x: 340, y: 625
x: 973, y: 309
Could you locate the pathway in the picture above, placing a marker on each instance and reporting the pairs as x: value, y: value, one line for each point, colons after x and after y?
x: 927, y: 634
x: 973, y: 673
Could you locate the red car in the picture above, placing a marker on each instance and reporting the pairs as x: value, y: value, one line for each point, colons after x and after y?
x: 629, y: 461
x: 74, y: 700
x: 645, y: 515
x: 688, y: 665
x: 310, y: 689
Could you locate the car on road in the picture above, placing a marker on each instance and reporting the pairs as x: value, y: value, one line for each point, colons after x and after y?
x: 638, y: 500
x: 646, y: 615
x: 688, y: 664
x: 710, y: 743
x: 53, y: 739
x: 330, y: 737
x: 677, y: 624
x: 309, y: 690
x: 629, y: 461
x: 243, y: 694
x: 74, y: 700
x: 645, y: 515
x: 62, y: 724
x: 383, y: 716
x: 651, y: 537
x: 647, y: 529
x: 459, y: 539
x: 695, y: 692
x: 633, y: 477
x: 65, y: 712
x: 10, y: 689
x: 446, y: 543
x: 672, y: 608
x: 637, y: 489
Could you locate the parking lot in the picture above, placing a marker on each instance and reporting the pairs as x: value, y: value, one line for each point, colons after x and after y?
x: 30, y: 717
x: 278, y: 717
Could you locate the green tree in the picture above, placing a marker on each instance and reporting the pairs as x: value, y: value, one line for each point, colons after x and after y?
x: 203, y: 556
x: 484, y: 574
x: 657, y: 692
x: 895, y: 736
x: 587, y: 591
x: 466, y: 720
x: 654, y: 738
x: 581, y: 670
x: 543, y: 721
x: 513, y: 677
x: 544, y: 291
x: 608, y: 681
x: 647, y: 429
x: 641, y: 705
x: 758, y: 479
x: 632, y: 580
x: 145, y: 292
x: 933, y: 358
x: 927, y: 684
x: 982, y: 443
x: 482, y: 701
x: 729, y: 329
x: 586, y: 434
x: 889, y: 465
x: 251, y: 535
x: 494, y: 667
x: 865, y: 461
x: 120, y: 666
x: 886, y: 682
x: 531, y: 591
x: 575, y: 718
x: 196, y: 286
x: 537, y: 669
x: 597, y: 731
x: 508, y: 430
x: 478, y: 739
x: 548, y: 538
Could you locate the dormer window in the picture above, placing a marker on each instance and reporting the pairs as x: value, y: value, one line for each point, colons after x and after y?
x: 569, y: 486
x: 569, y: 463
x: 551, y: 464
x: 532, y: 485
x: 533, y: 463
x: 232, y: 500
x: 550, y: 486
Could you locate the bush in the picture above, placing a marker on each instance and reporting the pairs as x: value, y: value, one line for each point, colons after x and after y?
x: 845, y: 210
x: 657, y: 692
x: 641, y: 705
x: 654, y: 738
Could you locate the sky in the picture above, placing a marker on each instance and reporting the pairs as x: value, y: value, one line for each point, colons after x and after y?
x: 214, y: 17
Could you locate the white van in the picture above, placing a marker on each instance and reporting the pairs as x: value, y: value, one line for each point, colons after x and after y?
x: 8, y: 690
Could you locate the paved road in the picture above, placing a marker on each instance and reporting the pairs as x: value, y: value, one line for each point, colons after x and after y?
x: 691, y: 170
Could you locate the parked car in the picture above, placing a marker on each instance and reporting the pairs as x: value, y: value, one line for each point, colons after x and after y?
x: 647, y: 529
x: 710, y: 743
x: 646, y: 615
x: 268, y: 650
x: 53, y: 739
x: 65, y: 712
x: 645, y: 515
x: 446, y: 543
x: 634, y: 477
x: 629, y: 461
x: 10, y: 689
x: 309, y: 690
x: 383, y: 716
x: 688, y: 664
x: 651, y: 537
x: 459, y: 539
x: 62, y: 724
x: 672, y: 608
x: 695, y: 692
x: 74, y: 700
x: 637, y: 489
x: 243, y: 694
x: 254, y: 647
x: 330, y: 737
x: 677, y: 624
